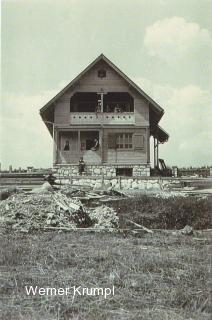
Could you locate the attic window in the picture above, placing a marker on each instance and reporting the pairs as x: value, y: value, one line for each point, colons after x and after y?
x: 101, y: 73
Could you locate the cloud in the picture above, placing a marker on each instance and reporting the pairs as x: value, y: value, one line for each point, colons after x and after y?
x: 187, y: 119
x: 175, y: 38
x: 24, y: 138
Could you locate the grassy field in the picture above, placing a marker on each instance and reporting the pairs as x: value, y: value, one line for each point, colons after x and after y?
x: 156, y: 276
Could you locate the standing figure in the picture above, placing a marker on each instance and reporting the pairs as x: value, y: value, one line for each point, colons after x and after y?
x: 98, y: 107
x: 117, y: 109
x: 50, y: 178
x: 81, y: 166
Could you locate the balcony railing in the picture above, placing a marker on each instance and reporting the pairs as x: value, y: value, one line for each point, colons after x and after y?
x: 102, y: 118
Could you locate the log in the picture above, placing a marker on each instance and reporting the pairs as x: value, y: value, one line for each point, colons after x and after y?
x: 140, y: 226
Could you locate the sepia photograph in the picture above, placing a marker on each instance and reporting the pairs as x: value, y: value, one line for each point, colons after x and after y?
x: 106, y: 160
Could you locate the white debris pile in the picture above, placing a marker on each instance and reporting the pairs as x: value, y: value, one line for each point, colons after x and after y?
x: 104, y: 217
x: 27, y: 212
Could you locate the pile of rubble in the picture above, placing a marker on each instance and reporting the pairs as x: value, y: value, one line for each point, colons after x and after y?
x: 104, y: 217
x: 87, y: 193
x: 48, y: 209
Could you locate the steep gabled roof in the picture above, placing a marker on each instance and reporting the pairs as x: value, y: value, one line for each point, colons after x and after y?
x: 154, y: 107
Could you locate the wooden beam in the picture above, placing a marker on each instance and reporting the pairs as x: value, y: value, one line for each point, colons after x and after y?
x: 78, y: 143
x: 148, y: 144
x: 101, y: 133
x: 54, y: 137
x: 102, y: 101
x: 154, y: 153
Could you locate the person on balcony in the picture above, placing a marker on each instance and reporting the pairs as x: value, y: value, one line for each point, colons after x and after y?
x: 98, y: 107
x: 81, y: 166
x: 117, y: 109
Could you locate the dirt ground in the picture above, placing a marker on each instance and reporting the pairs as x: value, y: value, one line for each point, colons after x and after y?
x: 156, y: 276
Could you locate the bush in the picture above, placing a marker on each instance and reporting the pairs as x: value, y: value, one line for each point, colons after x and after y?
x: 170, y: 213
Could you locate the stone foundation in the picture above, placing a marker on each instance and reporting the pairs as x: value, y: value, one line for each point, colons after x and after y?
x: 100, y: 170
x: 98, y: 176
x: 125, y: 183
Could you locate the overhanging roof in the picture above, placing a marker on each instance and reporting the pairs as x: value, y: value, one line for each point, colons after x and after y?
x: 154, y: 107
x: 159, y: 134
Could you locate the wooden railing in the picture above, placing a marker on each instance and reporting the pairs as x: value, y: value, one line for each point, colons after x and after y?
x: 102, y: 118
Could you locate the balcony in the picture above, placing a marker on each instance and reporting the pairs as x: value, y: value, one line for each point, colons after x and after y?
x: 81, y: 118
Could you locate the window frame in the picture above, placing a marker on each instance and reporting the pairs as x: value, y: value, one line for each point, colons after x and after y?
x: 101, y: 73
x: 124, y: 139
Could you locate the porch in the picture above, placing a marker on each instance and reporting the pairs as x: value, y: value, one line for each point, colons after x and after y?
x: 72, y: 145
x: 101, y: 145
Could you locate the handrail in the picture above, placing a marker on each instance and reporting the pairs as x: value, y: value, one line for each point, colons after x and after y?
x: 102, y: 117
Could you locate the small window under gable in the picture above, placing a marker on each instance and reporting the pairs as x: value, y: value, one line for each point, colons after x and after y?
x: 101, y: 73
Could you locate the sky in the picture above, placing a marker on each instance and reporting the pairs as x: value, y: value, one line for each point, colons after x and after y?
x: 165, y: 46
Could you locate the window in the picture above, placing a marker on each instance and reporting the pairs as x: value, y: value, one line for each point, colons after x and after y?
x: 124, y: 172
x: 101, y: 73
x: 124, y: 141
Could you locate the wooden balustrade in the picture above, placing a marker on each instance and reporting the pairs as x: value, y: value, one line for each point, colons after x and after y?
x: 102, y: 118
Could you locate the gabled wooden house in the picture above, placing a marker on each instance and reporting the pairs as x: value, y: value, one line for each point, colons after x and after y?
x: 104, y: 117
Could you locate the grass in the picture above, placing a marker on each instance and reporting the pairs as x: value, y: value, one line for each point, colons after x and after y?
x: 171, y: 213
x: 155, y: 277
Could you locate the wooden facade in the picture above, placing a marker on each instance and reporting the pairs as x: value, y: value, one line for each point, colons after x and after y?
x: 102, y: 104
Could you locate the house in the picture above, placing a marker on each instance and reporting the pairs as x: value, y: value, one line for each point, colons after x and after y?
x: 104, y: 117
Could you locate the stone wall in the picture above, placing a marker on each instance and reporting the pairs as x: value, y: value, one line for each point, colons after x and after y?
x: 100, y: 170
x: 141, y: 170
x: 105, y: 175
x: 142, y: 183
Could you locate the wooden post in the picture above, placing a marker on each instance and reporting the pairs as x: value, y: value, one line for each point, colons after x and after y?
x: 157, y: 153
x: 154, y: 153
x: 102, y: 180
x: 55, y: 142
x: 120, y: 182
x: 70, y: 180
x: 102, y: 101
x: 101, y: 132
x: 148, y: 145
x: 79, y: 149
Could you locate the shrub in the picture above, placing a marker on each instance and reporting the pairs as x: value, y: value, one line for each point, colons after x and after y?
x: 169, y: 213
